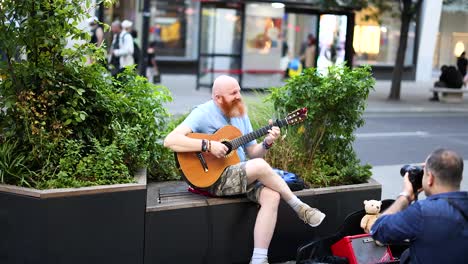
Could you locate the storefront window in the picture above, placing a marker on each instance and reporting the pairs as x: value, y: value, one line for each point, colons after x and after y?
x: 221, y: 31
x: 263, y: 41
x: 220, y: 43
x: 377, y: 44
x: 332, y: 39
x: 297, y: 28
x: 452, y: 37
x: 173, y: 28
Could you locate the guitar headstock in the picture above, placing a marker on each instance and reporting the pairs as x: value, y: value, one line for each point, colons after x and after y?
x: 296, y: 116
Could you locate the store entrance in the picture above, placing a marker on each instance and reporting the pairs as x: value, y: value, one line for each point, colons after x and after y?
x: 220, y: 42
x: 316, y: 39
x: 301, y: 34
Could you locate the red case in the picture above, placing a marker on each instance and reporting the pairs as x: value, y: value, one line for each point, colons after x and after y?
x: 361, y: 249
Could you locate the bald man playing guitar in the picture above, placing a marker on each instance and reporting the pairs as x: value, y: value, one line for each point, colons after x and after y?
x: 251, y: 176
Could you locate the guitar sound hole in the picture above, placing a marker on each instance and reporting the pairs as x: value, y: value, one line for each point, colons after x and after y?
x: 229, y: 145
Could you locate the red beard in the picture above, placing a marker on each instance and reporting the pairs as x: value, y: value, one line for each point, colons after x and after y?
x: 235, y: 108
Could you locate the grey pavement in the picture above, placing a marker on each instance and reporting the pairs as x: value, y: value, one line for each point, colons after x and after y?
x: 414, y: 100
x: 414, y: 97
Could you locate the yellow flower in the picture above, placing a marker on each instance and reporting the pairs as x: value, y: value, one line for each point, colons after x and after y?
x: 301, y: 129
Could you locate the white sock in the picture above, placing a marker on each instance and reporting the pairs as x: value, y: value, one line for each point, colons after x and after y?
x: 259, y: 255
x: 295, y: 203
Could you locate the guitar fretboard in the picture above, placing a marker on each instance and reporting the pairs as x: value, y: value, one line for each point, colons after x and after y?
x: 237, y: 142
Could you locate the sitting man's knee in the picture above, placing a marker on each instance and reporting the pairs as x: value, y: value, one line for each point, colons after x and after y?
x: 269, y: 196
x: 258, y: 165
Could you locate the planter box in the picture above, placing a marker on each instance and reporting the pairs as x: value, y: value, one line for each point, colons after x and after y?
x: 122, y: 224
x: 186, y: 228
x: 102, y: 224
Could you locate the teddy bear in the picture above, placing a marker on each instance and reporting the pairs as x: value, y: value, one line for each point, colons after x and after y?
x: 372, y: 208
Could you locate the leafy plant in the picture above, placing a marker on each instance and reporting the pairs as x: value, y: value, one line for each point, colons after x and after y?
x: 11, y: 163
x: 71, y: 123
x: 320, y: 149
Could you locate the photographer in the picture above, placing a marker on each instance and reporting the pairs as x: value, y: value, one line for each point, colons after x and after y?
x: 435, y: 227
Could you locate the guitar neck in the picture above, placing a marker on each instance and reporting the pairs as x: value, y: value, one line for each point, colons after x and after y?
x: 237, y: 142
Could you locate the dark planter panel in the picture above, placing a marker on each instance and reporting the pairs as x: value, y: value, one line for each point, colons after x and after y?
x: 103, y: 228
x: 208, y: 234
x: 21, y: 229
x: 223, y: 233
x: 176, y: 236
x: 233, y: 232
x: 99, y: 228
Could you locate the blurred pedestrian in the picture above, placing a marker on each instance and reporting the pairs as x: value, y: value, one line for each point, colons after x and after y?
x: 122, y: 46
x: 462, y: 63
x: 152, y: 71
x: 450, y: 77
x: 127, y: 26
x: 308, y: 52
x: 114, y: 65
x: 97, y: 36
x: 97, y: 33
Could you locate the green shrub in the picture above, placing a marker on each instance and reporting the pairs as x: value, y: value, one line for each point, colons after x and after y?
x: 320, y: 149
x: 66, y: 123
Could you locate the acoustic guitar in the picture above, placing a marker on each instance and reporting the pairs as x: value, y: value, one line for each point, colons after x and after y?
x: 202, y: 169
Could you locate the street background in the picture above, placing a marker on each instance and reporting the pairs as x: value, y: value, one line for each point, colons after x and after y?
x: 395, y: 132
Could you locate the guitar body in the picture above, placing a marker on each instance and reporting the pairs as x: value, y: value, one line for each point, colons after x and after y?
x: 191, y: 166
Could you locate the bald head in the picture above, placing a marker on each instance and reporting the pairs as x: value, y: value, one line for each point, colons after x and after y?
x: 223, y: 85
x: 447, y: 166
x: 226, y: 95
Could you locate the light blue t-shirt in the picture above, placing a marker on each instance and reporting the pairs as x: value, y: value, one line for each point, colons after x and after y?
x: 207, y: 118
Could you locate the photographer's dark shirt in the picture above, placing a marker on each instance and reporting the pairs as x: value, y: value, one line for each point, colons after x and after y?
x: 437, y: 231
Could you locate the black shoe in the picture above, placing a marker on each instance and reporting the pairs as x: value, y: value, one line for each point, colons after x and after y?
x: 433, y: 99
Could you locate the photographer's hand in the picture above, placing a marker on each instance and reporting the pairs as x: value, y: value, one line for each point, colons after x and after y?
x: 404, y: 199
x: 408, y: 188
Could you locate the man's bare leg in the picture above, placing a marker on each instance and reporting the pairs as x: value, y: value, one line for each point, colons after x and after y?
x: 265, y: 224
x: 259, y: 169
x: 266, y: 217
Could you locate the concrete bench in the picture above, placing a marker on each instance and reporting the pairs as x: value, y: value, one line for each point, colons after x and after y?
x: 450, y: 95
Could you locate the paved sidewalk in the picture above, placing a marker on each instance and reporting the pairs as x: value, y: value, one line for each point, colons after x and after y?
x: 414, y: 97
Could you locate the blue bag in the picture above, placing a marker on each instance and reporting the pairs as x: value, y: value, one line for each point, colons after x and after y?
x: 294, y: 182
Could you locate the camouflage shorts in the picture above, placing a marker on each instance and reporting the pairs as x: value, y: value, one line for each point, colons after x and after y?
x: 233, y: 181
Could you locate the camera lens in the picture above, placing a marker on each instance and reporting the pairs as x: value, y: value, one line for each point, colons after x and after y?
x: 415, y: 175
x: 404, y: 169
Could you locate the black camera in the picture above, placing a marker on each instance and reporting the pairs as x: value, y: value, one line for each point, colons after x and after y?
x: 415, y: 175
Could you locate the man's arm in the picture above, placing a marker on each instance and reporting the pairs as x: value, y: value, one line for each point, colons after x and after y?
x: 178, y: 141
x: 399, y: 222
x: 404, y: 199
x: 99, y: 36
x: 395, y: 228
x: 259, y: 150
x: 400, y: 204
